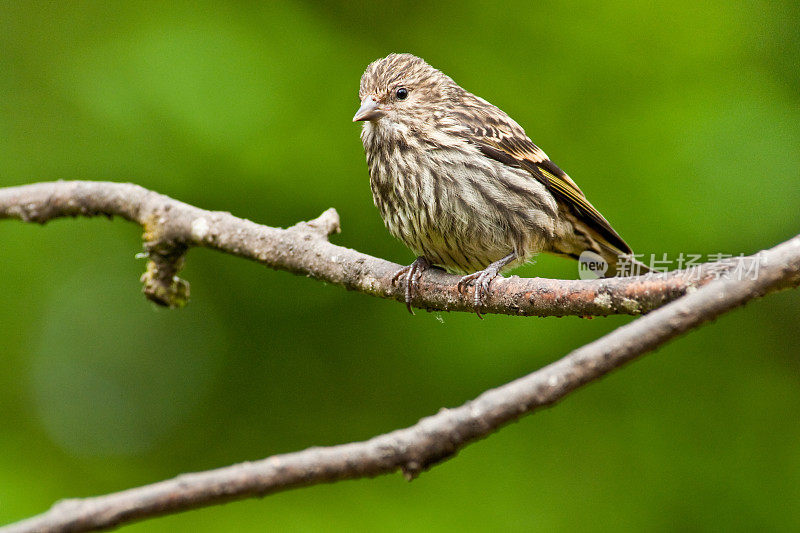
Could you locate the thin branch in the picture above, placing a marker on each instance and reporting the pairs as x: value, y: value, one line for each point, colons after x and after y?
x: 172, y: 227
x: 437, y: 437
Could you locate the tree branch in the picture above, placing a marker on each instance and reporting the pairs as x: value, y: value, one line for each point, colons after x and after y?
x: 172, y: 227
x: 437, y: 437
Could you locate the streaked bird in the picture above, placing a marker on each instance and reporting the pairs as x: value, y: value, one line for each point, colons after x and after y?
x: 461, y: 184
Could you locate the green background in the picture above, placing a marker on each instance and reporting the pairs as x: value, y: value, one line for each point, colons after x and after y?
x: 681, y: 123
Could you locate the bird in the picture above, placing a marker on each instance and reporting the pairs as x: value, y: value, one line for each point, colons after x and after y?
x: 460, y: 183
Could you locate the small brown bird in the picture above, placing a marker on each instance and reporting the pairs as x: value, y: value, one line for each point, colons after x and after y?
x: 461, y: 184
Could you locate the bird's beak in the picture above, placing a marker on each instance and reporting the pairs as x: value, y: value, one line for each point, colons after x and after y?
x: 370, y: 110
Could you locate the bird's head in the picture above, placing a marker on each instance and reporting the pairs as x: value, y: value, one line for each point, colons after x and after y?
x: 402, y: 89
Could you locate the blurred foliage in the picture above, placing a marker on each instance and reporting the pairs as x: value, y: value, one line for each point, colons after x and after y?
x: 681, y: 121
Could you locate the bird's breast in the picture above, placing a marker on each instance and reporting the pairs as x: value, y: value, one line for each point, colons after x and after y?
x: 451, y: 204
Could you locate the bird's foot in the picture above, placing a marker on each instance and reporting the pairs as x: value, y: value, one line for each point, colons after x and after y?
x: 483, y: 279
x: 412, y: 274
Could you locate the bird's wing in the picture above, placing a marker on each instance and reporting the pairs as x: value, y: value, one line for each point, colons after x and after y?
x: 498, y: 137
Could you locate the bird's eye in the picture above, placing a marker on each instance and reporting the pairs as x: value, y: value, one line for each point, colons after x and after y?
x: 401, y: 93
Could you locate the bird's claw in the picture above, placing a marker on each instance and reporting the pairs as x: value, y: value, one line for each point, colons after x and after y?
x: 412, y: 274
x: 483, y: 279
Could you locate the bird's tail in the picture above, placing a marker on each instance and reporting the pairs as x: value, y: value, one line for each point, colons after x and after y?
x: 599, y: 258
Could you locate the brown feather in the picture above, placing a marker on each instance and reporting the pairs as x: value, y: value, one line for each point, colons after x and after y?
x: 499, y: 137
x: 461, y: 184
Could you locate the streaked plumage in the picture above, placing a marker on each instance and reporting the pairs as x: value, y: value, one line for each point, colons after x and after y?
x: 460, y: 183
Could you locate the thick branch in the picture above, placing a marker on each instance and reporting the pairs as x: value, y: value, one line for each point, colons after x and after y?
x: 172, y: 227
x: 437, y: 437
